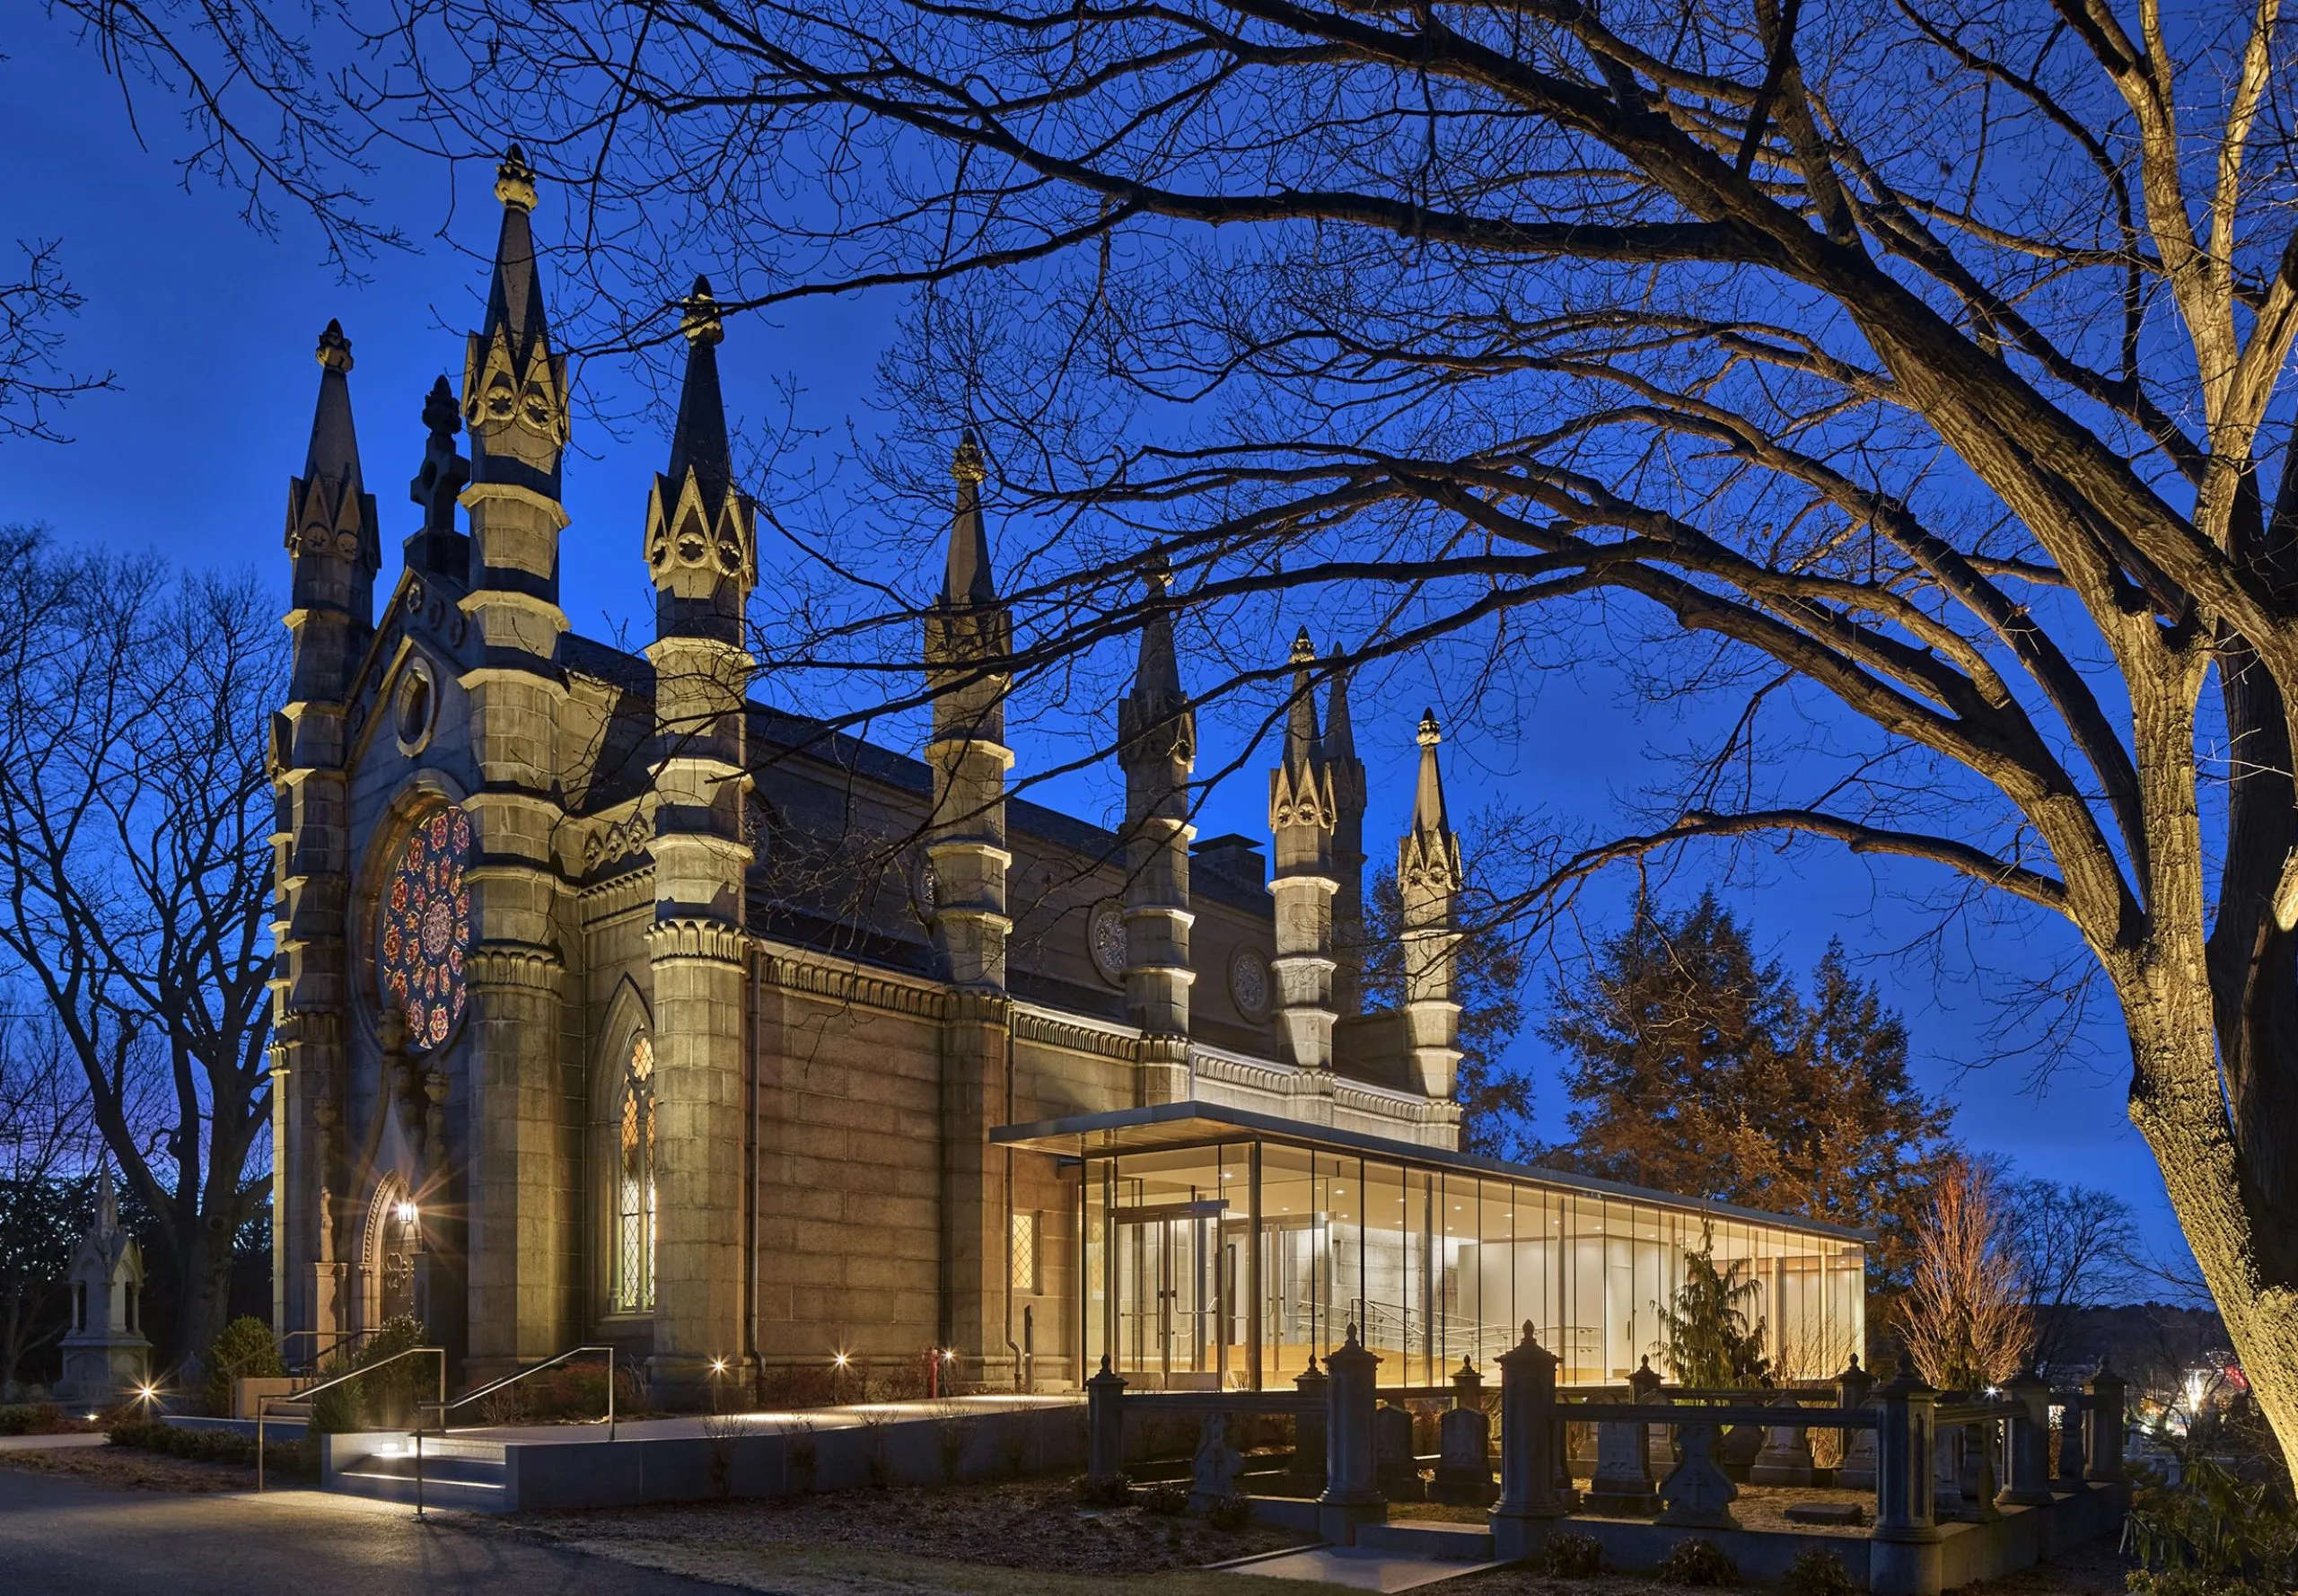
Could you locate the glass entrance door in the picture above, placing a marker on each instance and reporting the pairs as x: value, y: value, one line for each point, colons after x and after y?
x: 1170, y: 1293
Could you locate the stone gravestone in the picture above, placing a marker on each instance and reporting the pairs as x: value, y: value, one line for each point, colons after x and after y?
x: 1698, y: 1494
x: 1395, y: 1465
x: 1785, y: 1459
x: 105, y: 1358
x: 1305, y: 1474
x: 1464, y: 1446
x: 1978, y: 1479
x: 1212, y: 1472
x: 1622, y: 1485
x: 1856, y: 1472
x: 1947, y: 1473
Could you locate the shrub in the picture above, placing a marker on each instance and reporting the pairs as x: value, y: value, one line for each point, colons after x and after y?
x: 1817, y: 1573
x: 33, y: 1418
x: 243, y: 1351
x: 2185, y: 1582
x: 1573, y: 1556
x: 1230, y: 1513
x: 387, y: 1398
x: 2215, y: 1525
x: 1697, y: 1562
x: 1169, y: 1500
x: 296, y: 1458
x: 1102, y: 1490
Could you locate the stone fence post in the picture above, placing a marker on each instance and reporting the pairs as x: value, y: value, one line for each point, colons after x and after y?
x: 1105, y: 1424
x: 2103, y: 1406
x: 1903, y: 1555
x: 2027, y: 1440
x: 1351, y: 1495
x: 1529, y: 1450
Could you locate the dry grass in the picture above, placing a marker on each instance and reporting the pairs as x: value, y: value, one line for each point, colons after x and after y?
x: 126, y: 1468
x: 1034, y: 1526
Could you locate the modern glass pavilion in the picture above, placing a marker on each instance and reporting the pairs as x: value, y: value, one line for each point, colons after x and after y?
x: 1221, y: 1247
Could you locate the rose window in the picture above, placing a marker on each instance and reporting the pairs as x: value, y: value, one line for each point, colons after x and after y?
x: 425, y: 928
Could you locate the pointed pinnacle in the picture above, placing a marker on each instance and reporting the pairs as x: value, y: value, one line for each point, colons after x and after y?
x: 1157, y: 574
x: 965, y: 461
x: 1304, y: 652
x: 698, y: 315
x: 335, y: 349
x: 1431, y: 733
x: 514, y: 179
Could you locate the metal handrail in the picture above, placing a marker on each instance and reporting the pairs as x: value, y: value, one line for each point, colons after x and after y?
x: 342, y: 1339
x: 491, y: 1386
x: 263, y: 1404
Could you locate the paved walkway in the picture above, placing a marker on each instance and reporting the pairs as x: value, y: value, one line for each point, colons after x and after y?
x: 51, y: 1443
x: 766, y: 1422
x: 67, y: 1538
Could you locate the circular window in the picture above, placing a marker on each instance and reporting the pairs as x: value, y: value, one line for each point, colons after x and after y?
x: 424, y: 930
x: 1105, y: 938
x: 415, y: 706
x: 1249, y: 983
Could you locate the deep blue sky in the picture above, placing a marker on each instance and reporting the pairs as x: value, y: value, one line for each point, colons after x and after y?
x: 210, y: 328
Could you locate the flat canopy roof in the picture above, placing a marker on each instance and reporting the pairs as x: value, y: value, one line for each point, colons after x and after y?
x: 1169, y: 1127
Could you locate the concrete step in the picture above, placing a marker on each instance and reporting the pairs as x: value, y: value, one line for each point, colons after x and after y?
x: 453, y: 1473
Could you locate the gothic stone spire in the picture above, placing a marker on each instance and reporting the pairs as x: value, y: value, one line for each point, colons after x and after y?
x: 436, y: 548
x: 967, y: 579
x: 1157, y: 749
x: 1428, y: 884
x: 330, y: 511
x: 514, y: 387
x: 701, y: 538
x: 1349, y: 794
x: 1301, y: 809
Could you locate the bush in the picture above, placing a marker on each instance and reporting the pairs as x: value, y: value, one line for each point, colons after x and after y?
x: 1230, y: 1513
x: 1169, y: 1500
x: 243, y: 1351
x: 33, y: 1418
x: 2185, y: 1582
x: 1815, y: 1572
x: 296, y: 1458
x: 1697, y: 1562
x: 2214, y: 1524
x: 1102, y: 1490
x: 1573, y: 1556
x: 385, y: 1399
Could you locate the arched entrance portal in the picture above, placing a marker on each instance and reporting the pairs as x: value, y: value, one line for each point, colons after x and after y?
x: 387, y: 1272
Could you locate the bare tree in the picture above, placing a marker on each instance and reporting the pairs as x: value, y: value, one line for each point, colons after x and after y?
x: 44, y: 1139
x: 134, y: 862
x: 1965, y: 1317
x: 1907, y: 379
x: 34, y: 384
x: 2074, y: 1247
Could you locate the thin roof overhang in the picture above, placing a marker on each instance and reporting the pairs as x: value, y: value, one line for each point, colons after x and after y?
x: 1161, y: 1127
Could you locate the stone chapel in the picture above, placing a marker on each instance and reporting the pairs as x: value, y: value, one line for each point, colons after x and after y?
x: 588, y: 1026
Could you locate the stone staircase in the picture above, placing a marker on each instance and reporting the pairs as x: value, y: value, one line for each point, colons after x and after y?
x: 456, y: 1473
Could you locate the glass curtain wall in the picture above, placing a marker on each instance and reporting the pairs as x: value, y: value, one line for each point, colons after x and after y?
x: 1229, y: 1267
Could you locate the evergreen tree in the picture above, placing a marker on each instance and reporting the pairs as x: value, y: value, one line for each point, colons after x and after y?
x: 1696, y: 1066
x: 1705, y: 1336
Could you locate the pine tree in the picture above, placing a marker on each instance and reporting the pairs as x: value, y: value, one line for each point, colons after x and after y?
x: 1697, y: 1067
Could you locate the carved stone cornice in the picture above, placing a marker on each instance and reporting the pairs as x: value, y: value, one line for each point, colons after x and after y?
x: 514, y: 965
x: 617, y: 896
x: 1075, y: 1034
x: 793, y: 970
x: 696, y: 940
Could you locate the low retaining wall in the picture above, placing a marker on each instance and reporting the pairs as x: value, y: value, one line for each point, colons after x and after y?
x: 927, y: 1449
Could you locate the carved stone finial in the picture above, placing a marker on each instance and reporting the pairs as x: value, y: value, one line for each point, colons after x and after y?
x: 698, y: 315
x: 966, y: 464
x: 335, y: 349
x: 1431, y: 733
x: 1157, y: 572
x: 514, y: 179
x: 442, y: 418
x: 1304, y: 653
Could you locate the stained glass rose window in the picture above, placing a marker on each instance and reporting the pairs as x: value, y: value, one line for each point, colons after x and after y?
x: 425, y: 933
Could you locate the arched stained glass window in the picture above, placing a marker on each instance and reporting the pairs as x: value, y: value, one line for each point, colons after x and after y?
x: 634, y: 1210
x: 424, y: 932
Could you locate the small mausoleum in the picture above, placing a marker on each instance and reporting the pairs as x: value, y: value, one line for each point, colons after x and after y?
x: 105, y: 1358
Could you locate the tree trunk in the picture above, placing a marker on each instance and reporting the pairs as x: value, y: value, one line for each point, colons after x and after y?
x: 2242, y: 1242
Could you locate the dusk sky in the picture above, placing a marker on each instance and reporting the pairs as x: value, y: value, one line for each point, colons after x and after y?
x: 210, y: 326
